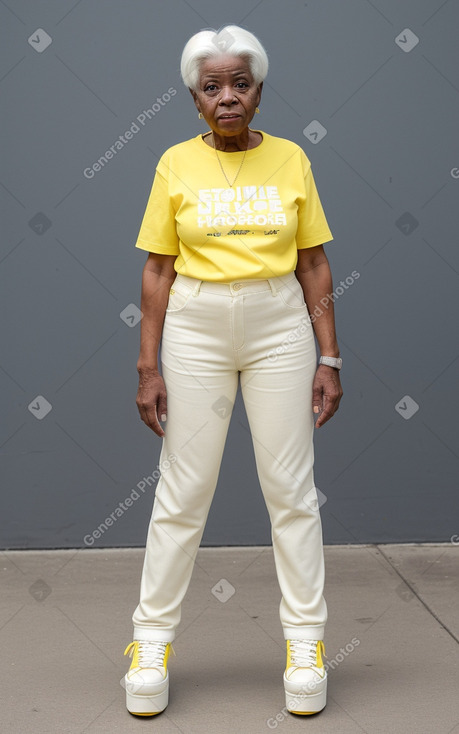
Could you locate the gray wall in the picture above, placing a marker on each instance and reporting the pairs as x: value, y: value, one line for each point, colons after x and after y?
x: 388, y: 175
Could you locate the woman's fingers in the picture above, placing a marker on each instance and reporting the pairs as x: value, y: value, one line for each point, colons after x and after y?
x: 326, y: 394
x: 329, y: 408
x: 162, y: 407
x: 152, y: 403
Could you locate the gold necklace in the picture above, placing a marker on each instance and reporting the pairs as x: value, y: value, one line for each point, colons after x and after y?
x: 223, y: 170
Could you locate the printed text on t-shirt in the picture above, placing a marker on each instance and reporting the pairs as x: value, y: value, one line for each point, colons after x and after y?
x: 242, y: 205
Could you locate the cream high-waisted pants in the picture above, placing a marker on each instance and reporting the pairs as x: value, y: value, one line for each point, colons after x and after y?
x: 212, y: 332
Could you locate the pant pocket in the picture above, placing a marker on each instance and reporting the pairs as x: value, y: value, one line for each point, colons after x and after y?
x: 179, y: 296
x: 292, y: 295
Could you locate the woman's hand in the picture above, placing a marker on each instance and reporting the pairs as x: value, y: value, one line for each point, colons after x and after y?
x: 326, y: 393
x: 151, y: 400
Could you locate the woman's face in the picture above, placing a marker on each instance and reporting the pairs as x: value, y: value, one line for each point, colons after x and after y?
x: 227, y: 95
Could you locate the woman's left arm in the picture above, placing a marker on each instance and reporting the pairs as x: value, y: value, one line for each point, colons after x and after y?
x: 314, y: 275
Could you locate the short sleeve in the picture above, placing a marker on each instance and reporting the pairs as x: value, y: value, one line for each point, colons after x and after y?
x: 313, y: 227
x: 158, y: 229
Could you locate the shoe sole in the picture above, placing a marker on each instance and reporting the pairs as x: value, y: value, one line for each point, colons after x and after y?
x: 140, y: 704
x: 305, y: 703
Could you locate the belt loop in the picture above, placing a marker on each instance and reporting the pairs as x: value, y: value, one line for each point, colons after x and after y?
x: 197, y: 287
x: 273, y: 287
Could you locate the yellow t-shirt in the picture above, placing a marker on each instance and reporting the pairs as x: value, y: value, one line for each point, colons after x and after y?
x: 221, y: 233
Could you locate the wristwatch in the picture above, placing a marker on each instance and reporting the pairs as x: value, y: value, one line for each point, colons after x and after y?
x: 335, y: 362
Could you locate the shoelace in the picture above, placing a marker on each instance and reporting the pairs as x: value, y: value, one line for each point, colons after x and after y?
x: 151, y: 653
x: 303, y: 653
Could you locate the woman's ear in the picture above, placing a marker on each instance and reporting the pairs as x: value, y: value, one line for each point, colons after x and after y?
x: 195, y: 98
x: 260, y: 87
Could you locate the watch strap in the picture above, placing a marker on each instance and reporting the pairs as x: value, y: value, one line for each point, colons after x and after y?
x: 335, y: 362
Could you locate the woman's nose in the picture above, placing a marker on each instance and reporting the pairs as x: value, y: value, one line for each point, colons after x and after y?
x: 226, y: 95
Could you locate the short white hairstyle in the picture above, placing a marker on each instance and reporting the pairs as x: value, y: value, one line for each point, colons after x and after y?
x: 229, y: 40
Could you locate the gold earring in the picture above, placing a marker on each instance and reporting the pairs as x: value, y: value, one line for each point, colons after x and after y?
x: 200, y: 116
x: 257, y: 110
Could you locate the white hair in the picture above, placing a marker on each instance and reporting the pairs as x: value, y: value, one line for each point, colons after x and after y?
x: 230, y: 39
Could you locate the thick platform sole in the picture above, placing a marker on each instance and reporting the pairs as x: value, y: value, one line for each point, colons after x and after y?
x: 305, y: 703
x: 147, y: 704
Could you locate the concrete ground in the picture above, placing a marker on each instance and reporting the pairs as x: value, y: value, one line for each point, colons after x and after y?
x: 391, y: 643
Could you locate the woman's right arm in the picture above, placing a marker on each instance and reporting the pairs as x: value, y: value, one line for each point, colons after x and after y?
x: 157, y: 278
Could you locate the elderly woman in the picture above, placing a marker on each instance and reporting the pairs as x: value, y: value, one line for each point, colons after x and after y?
x: 235, y: 229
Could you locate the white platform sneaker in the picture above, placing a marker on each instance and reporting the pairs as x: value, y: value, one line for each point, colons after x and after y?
x: 147, y: 680
x: 305, y: 677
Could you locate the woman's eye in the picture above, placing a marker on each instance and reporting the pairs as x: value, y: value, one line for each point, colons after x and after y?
x: 213, y: 87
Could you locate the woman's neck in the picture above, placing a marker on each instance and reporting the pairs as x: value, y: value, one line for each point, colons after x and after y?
x: 230, y: 144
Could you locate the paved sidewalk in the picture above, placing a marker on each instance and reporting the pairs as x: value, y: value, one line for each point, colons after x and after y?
x: 391, y: 643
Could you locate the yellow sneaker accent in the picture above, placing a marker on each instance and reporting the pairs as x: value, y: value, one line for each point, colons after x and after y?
x: 320, y: 651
